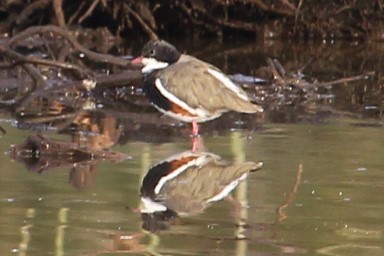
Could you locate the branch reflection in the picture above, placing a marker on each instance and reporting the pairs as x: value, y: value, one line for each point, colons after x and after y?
x: 39, y: 154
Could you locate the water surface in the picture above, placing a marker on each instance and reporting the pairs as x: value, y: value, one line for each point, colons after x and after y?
x: 318, y: 192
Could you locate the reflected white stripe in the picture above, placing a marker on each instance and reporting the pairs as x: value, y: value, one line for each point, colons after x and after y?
x: 151, y: 206
x: 227, y: 189
x: 196, y: 161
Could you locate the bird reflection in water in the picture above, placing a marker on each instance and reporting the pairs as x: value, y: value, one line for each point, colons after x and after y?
x: 185, y: 184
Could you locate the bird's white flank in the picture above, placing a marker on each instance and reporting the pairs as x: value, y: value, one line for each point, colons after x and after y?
x: 198, y: 112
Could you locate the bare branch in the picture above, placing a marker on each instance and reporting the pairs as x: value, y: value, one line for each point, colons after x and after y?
x: 30, y: 9
x: 99, y: 57
x: 58, y: 8
x: 89, y: 11
x: 152, y: 35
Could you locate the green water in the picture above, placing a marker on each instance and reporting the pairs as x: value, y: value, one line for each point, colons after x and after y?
x: 318, y: 193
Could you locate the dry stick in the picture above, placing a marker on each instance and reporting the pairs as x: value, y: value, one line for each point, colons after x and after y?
x: 18, y: 95
x: 63, y: 52
x: 263, y: 6
x: 144, y: 11
x: 279, y: 67
x: 299, y: 6
x: 12, y: 101
x: 33, y: 60
x: 35, y: 74
x: 297, y: 14
x: 39, y: 83
x: 301, y: 70
x: 119, y: 79
x: 347, y: 79
x: 267, y: 8
x: 89, y: 11
x: 47, y: 118
x: 152, y: 35
x: 104, y: 3
x: 58, y: 8
x: 237, y: 24
x: 279, y: 73
x: 343, y: 8
x: 188, y: 11
x: 287, y: 3
x: 47, y: 48
x: 277, y: 70
x: 76, y: 13
x: 30, y: 9
x: 99, y: 57
x: 290, y: 195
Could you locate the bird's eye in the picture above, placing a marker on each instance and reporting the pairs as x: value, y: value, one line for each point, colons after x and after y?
x: 152, y: 52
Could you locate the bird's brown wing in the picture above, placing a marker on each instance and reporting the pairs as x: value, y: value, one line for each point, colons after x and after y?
x: 192, y: 82
x: 195, y: 188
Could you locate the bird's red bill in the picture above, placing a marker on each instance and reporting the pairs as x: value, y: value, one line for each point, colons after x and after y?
x: 138, y: 60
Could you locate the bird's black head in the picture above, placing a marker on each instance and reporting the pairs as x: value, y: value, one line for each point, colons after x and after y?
x: 161, y: 51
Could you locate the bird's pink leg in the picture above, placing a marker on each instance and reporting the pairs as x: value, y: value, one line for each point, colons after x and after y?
x: 195, y: 143
x: 195, y: 137
x: 198, y: 144
x: 195, y: 129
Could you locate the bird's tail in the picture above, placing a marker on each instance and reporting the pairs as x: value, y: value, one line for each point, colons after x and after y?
x: 246, y: 107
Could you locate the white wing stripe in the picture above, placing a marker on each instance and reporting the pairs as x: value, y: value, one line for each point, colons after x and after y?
x: 194, y: 111
x: 228, y: 83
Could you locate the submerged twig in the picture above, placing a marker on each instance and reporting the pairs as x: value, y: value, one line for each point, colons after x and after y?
x: 289, y: 198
